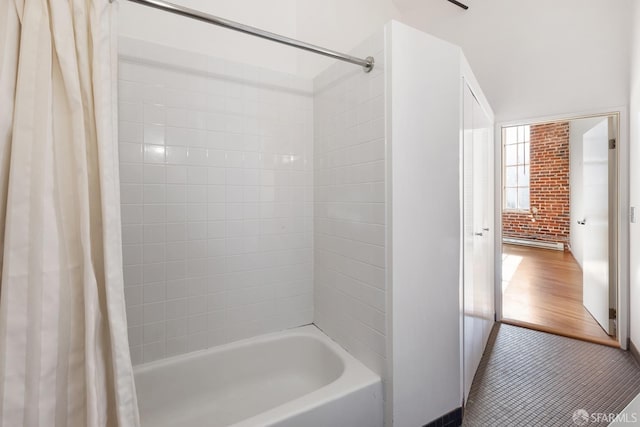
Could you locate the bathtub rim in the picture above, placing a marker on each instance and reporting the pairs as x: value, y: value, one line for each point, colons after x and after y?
x: 354, y: 376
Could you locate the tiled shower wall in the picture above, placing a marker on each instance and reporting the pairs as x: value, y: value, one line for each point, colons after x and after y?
x: 216, y: 170
x: 349, y: 213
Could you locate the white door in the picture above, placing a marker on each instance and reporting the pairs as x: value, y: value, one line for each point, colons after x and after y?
x: 469, y: 237
x: 483, y: 212
x: 478, y: 289
x: 595, y: 269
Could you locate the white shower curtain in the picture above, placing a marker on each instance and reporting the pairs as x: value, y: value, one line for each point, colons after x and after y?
x: 64, y: 356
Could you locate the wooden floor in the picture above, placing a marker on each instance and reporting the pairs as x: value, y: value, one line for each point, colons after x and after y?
x: 542, y: 289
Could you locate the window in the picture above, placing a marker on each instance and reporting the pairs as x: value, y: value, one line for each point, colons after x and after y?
x: 516, y: 167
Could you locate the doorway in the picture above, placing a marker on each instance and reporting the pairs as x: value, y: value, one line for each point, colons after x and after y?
x: 559, y: 209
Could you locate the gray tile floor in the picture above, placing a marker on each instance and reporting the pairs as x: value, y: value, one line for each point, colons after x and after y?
x: 531, y: 378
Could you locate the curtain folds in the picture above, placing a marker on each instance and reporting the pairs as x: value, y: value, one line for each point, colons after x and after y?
x: 64, y: 355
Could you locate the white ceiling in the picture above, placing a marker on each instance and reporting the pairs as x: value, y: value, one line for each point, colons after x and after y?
x: 532, y: 58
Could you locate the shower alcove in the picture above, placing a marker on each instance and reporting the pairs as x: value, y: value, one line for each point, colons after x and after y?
x: 255, y: 201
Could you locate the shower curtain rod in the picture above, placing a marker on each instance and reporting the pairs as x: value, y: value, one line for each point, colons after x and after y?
x: 367, y: 63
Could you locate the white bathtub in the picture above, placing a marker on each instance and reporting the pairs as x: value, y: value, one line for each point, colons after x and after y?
x: 293, y: 378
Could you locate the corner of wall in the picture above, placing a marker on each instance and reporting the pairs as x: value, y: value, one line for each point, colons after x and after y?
x: 350, y: 210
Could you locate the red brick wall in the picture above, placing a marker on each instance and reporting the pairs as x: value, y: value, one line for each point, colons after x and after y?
x: 549, y: 188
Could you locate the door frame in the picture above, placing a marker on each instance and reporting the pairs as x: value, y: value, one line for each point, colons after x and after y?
x: 622, y: 229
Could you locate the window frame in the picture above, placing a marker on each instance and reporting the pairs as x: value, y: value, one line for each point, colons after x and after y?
x: 505, y: 187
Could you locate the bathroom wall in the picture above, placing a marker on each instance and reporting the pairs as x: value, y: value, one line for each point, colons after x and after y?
x: 183, y: 33
x: 349, y: 214
x: 217, y: 190
x: 424, y: 79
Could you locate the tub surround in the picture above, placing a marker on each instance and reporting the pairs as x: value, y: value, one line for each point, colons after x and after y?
x: 350, y: 290
x: 350, y: 285
x: 216, y: 168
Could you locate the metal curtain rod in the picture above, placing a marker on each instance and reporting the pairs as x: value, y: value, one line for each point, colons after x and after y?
x: 367, y: 63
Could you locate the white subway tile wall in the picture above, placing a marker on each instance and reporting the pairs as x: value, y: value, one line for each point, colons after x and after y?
x: 216, y: 170
x: 349, y: 213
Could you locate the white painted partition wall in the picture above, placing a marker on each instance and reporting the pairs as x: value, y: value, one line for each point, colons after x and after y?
x: 424, y: 200
x: 424, y: 206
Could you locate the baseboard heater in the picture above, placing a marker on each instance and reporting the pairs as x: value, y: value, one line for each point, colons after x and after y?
x: 534, y: 243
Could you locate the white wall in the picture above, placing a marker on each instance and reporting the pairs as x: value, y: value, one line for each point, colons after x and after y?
x: 144, y: 23
x: 424, y: 84
x: 577, y: 129
x: 216, y: 169
x: 350, y: 292
x: 532, y: 58
x: 635, y: 180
